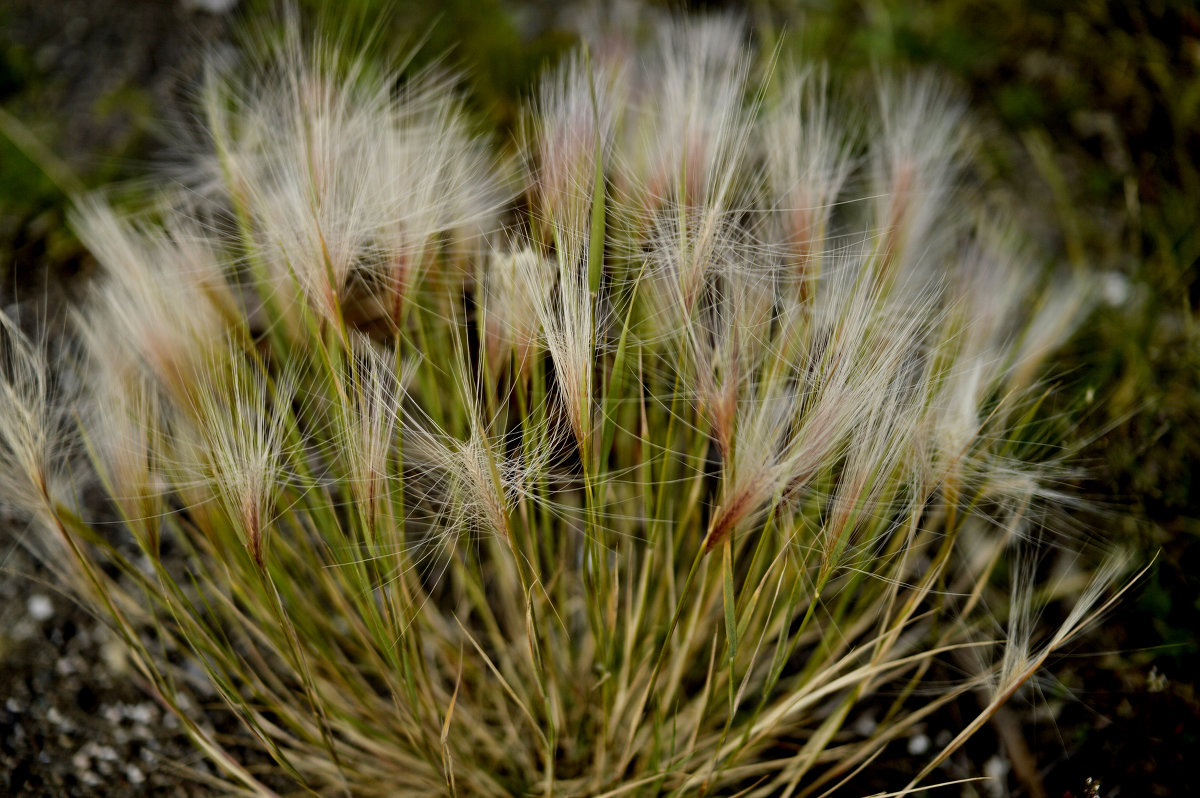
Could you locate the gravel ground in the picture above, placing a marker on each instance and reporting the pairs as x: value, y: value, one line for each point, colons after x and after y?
x: 74, y: 717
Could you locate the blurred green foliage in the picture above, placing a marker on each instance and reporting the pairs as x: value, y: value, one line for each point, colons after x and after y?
x: 1114, y: 86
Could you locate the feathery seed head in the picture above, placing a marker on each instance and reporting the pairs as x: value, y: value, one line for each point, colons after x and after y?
x: 572, y: 125
x: 808, y: 161
x: 164, y: 300
x: 690, y: 127
x: 125, y: 428
x: 914, y: 166
x: 344, y: 187
x: 516, y: 286
x: 566, y: 312
x: 367, y: 423
x: 31, y: 440
x: 232, y: 440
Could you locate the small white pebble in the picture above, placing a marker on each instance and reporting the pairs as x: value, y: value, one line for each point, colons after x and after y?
x: 134, y: 774
x: 12, y: 706
x: 1114, y: 287
x: 140, y: 713
x: 112, y: 651
x: 23, y: 629
x: 918, y: 744
x: 865, y: 725
x: 54, y: 716
x: 40, y: 607
x: 995, y: 769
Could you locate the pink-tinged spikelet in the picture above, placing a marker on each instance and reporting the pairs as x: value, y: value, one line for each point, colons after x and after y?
x: 344, y: 187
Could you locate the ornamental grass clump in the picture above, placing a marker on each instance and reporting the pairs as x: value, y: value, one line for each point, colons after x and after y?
x: 688, y: 448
